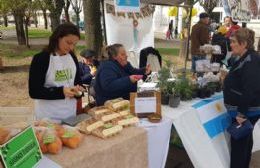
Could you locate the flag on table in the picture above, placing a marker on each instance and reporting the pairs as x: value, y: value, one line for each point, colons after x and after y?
x: 213, y: 115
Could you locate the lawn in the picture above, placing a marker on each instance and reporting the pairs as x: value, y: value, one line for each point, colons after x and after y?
x: 14, y: 51
x: 43, y: 33
x: 39, y: 33
x: 169, y: 51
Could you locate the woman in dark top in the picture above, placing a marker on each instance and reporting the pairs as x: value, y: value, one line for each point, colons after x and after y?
x: 116, y: 77
x: 242, y: 93
x: 54, y: 75
x: 88, y: 67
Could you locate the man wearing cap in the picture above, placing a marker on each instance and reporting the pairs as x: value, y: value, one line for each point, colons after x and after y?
x: 199, y: 37
x: 88, y: 66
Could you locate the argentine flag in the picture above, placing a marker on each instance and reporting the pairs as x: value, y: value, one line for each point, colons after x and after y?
x: 127, y: 5
x: 213, y: 115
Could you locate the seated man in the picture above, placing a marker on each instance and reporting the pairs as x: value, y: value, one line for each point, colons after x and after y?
x: 88, y: 66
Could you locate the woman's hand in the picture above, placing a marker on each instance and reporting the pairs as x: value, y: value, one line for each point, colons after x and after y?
x: 148, y: 69
x: 68, y: 92
x: 133, y: 78
x: 240, y: 119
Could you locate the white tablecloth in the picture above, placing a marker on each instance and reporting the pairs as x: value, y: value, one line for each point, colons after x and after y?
x: 203, y: 151
x: 158, y: 141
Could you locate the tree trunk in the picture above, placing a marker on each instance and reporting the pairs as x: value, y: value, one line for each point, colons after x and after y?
x: 66, y: 10
x: 45, y: 18
x: 77, y: 19
x: 35, y: 19
x: 18, y: 17
x: 92, y: 18
x: 55, y: 21
x: 26, y: 23
x: 5, y: 20
x: 55, y: 12
x: 67, y: 16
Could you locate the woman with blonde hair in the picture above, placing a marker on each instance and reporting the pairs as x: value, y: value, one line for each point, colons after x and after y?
x: 242, y: 93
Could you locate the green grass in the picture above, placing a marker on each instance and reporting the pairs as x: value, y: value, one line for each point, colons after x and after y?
x: 39, y: 33
x: 16, y: 52
x: 169, y: 51
x: 43, y: 33
x: 7, y: 28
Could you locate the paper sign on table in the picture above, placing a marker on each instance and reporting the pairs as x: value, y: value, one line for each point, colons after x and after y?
x: 145, y: 105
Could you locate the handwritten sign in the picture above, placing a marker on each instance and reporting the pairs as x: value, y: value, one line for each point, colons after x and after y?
x: 145, y: 105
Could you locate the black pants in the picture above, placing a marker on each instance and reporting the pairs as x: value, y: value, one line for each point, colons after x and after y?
x: 241, y: 149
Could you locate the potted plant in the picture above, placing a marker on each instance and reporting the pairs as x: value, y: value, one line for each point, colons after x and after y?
x: 164, y: 85
x: 185, y: 88
x: 174, y: 97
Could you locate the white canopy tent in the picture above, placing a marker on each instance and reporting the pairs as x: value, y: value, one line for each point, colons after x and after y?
x: 115, y: 25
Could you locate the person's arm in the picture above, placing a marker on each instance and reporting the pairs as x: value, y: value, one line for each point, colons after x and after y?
x: 37, y: 73
x: 110, y: 82
x: 250, y: 81
x: 132, y: 70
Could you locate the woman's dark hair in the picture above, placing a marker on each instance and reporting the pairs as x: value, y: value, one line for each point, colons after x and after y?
x: 112, y: 50
x: 61, y: 31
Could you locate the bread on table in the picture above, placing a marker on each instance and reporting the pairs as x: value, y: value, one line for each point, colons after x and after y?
x: 107, y: 130
x: 107, y: 116
x: 124, y: 112
x: 117, y: 104
x: 126, y: 120
x: 88, y: 126
x: 98, y: 110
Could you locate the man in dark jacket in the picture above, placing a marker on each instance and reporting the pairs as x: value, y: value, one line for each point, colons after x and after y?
x: 88, y: 66
x: 199, y: 37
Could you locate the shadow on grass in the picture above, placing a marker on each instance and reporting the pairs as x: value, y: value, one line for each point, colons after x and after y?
x: 178, y: 158
x: 14, y: 69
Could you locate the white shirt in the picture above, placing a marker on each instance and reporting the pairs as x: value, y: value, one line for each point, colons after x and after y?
x: 61, y: 72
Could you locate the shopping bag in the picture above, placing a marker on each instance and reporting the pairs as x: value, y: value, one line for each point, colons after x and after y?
x: 238, y: 131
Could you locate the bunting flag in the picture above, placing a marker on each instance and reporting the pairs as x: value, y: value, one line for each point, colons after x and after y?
x: 110, y: 9
x: 145, y: 11
x: 127, y: 5
x: 213, y: 115
x: 119, y: 14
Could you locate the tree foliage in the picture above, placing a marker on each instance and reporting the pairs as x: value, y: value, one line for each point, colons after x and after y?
x: 209, y: 5
x: 55, y: 7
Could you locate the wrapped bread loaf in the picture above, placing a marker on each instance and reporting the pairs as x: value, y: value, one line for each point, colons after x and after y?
x: 107, y: 130
x: 117, y: 104
x: 88, y: 126
x: 108, y: 116
x: 124, y: 112
x: 98, y: 110
x: 126, y: 120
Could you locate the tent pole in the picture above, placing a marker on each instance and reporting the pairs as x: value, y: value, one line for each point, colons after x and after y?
x: 188, y: 42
